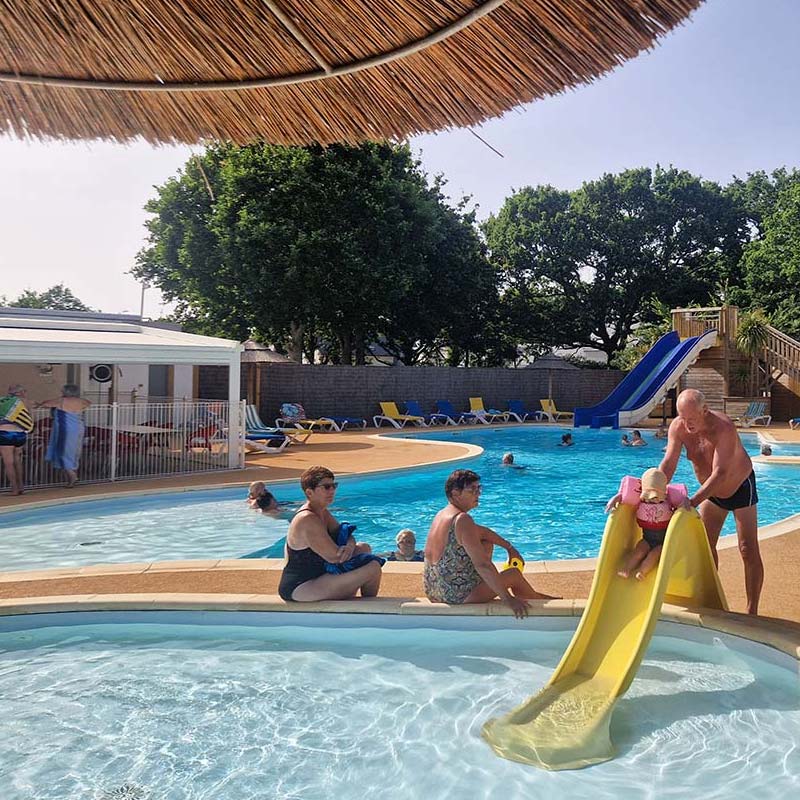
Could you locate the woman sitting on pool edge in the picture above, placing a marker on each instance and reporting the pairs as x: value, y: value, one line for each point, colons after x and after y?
x: 310, y: 543
x: 458, y: 554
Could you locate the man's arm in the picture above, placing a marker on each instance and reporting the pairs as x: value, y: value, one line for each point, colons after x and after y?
x: 724, y: 453
x: 669, y: 463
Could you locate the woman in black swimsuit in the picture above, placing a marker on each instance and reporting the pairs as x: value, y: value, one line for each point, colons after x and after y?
x: 311, y: 542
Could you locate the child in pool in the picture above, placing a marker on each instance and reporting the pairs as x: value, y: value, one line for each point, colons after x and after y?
x: 653, y: 514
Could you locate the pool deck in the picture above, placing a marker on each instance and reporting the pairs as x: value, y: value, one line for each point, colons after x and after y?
x: 253, y: 584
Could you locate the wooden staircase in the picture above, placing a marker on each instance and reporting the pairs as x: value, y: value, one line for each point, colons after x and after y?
x: 782, y: 355
x: 714, y: 373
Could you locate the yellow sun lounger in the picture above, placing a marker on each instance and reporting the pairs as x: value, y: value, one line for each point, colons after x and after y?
x: 566, y: 725
x: 391, y: 414
x: 552, y: 413
x: 484, y: 416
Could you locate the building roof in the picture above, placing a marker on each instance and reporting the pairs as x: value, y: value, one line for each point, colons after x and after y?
x: 300, y: 72
x: 257, y: 353
x: 75, y: 337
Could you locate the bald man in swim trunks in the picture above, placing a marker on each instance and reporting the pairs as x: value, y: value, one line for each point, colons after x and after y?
x: 727, y: 480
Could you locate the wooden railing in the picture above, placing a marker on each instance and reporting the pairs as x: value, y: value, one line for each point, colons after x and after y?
x: 689, y: 322
x: 783, y: 352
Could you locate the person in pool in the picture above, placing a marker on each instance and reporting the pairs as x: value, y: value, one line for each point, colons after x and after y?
x: 254, y: 491
x: 458, y: 554
x: 625, y: 442
x: 406, y: 548
x: 311, y: 541
x: 566, y: 440
x: 508, y: 461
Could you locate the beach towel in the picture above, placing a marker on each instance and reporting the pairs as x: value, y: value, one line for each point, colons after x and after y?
x: 12, y: 409
x: 64, y: 447
x: 343, y: 534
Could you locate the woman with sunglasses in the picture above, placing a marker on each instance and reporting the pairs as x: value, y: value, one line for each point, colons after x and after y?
x: 458, y: 554
x: 311, y: 541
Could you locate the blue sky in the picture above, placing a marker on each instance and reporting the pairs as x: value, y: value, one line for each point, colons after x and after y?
x: 718, y: 97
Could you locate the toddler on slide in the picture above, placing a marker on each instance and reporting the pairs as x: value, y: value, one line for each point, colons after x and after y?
x: 655, y: 504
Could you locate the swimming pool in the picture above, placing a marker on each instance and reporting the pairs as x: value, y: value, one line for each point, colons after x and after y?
x: 237, y: 706
x: 553, y: 509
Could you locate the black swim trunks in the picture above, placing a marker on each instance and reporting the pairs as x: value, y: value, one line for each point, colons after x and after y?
x: 746, y: 495
x: 13, y: 438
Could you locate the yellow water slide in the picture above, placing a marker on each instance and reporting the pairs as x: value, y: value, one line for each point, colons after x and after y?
x: 566, y: 725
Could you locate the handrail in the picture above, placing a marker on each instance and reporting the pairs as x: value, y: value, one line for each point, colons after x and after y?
x: 783, y: 349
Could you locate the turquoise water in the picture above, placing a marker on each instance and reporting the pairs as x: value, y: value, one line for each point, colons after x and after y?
x: 553, y: 509
x: 261, y: 707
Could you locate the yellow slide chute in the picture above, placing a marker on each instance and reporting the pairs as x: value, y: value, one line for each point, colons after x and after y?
x: 566, y: 725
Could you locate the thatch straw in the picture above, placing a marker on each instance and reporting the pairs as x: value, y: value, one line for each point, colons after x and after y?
x: 295, y: 72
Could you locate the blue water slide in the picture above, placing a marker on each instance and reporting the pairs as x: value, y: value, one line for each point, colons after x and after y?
x: 647, y: 383
x: 606, y: 412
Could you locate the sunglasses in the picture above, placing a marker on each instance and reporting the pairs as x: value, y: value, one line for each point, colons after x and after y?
x: 328, y: 486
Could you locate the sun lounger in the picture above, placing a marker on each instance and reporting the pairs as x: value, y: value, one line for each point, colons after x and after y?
x: 293, y: 414
x: 340, y: 423
x: 755, y: 413
x: 269, y: 445
x: 446, y: 407
x: 391, y: 414
x: 256, y: 430
x: 415, y: 409
x: 477, y: 408
x: 517, y: 410
x: 552, y: 413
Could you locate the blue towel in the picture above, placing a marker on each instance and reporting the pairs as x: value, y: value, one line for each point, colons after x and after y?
x: 64, y: 447
x: 342, y: 535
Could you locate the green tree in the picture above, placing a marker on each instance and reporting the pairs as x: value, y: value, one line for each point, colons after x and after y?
x: 341, y: 245
x: 772, y: 263
x: 57, y: 297
x: 587, y: 264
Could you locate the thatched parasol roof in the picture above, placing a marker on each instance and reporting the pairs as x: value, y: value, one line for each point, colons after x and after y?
x: 551, y: 362
x: 257, y: 353
x: 295, y: 72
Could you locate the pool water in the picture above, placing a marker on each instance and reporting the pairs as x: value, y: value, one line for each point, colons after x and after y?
x: 297, y: 707
x: 552, y: 509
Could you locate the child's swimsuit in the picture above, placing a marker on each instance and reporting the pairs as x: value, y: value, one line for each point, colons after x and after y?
x: 653, y: 519
x: 453, y: 577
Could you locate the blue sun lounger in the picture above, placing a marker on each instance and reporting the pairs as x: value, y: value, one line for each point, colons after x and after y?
x: 414, y: 409
x: 517, y: 410
x: 446, y: 407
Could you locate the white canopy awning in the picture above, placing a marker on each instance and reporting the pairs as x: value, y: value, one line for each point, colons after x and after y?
x: 32, y: 336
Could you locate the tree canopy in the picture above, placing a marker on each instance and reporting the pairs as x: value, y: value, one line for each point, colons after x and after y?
x: 57, y: 297
x: 324, y: 251
x: 587, y: 265
x: 321, y: 248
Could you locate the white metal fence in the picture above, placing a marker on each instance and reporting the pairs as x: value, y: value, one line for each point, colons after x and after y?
x: 126, y: 441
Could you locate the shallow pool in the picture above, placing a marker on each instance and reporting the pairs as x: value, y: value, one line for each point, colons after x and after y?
x: 552, y: 509
x: 225, y: 706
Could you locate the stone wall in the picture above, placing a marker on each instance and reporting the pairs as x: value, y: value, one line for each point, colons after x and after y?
x: 356, y: 391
